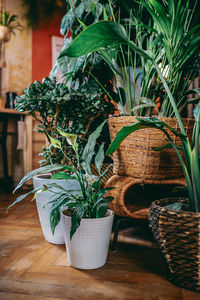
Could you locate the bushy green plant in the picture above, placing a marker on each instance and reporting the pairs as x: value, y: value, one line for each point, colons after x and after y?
x: 54, y: 106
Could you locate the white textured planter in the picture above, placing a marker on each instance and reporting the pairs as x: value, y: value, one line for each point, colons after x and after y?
x: 43, y: 198
x: 88, y: 248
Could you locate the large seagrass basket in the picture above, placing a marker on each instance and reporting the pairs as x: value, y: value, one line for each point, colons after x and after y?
x: 135, y: 156
x: 178, y: 236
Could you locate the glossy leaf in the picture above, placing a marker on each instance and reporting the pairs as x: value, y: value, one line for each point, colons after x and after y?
x: 94, y: 37
x: 99, y: 158
x: 42, y: 170
x: 89, y: 149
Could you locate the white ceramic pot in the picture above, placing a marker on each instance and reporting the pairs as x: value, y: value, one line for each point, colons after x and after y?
x: 88, y: 248
x: 42, y: 198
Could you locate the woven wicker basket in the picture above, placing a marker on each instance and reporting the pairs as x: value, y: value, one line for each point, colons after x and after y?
x: 177, y: 234
x: 135, y: 156
x: 131, y: 201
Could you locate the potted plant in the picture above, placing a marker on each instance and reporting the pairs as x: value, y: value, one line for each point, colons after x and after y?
x: 8, y: 25
x: 109, y: 38
x: 175, y: 221
x: 54, y: 106
x: 86, y: 219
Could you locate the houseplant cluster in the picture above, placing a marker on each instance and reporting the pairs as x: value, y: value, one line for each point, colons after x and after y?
x: 164, y: 41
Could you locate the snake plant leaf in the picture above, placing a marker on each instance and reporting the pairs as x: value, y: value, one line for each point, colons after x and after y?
x: 42, y: 170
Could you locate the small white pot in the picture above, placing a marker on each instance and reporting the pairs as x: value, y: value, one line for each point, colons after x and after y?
x: 88, y: 248
x: 5, y: 33
x: 42, y: 198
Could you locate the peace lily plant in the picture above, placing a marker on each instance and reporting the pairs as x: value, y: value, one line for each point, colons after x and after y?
x: 90, y: 201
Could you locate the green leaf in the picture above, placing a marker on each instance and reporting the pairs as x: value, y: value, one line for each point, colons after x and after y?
x: 55, y: 142
x: 99, y: 158
x: 62, y: 175
x: 54, y: 218
x: 175, y: 206
x: 157, y: 123
x: 143, y: 106
x: 123, y: 133
x: 42, y: 170
x: 71, y: 138
x: 167, y: 146
x: 96, y: 184
x: 22, y: 197
x: 89, y: 149
x: 77, y: 215
x: 96, y: 36
x: 101, y: 209
x: 58, y: 202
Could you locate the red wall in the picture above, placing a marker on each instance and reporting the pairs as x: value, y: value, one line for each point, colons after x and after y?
x: 41, y: 48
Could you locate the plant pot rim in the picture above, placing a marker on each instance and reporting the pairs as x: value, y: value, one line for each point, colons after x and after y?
x: 111, y: 213
x: 158, y: 205
x: 47, y: 177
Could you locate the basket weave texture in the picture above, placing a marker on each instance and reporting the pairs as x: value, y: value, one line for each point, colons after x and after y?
x: 177, y: 234
x: 135, y: 156
x: 134, y: 207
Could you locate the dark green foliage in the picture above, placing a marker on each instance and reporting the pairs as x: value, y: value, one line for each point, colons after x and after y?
x: 54, y: 105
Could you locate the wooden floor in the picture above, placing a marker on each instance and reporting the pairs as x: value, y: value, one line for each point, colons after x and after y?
x: 32, y: 269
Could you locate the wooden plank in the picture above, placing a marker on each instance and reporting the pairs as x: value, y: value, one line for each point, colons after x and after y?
x: 31, y: 268
x: 11, y: 296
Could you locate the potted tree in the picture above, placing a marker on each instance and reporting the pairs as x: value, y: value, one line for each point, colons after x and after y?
x: 109, y: 38
x: 86, y: 219
x: 55, y: 106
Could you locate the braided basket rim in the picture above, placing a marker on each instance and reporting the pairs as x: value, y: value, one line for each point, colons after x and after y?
x: 160, y: 205
x: 160, y: 118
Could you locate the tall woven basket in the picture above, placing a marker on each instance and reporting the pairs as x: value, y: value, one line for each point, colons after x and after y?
x: 135, y: 156
x: 177, y: 234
